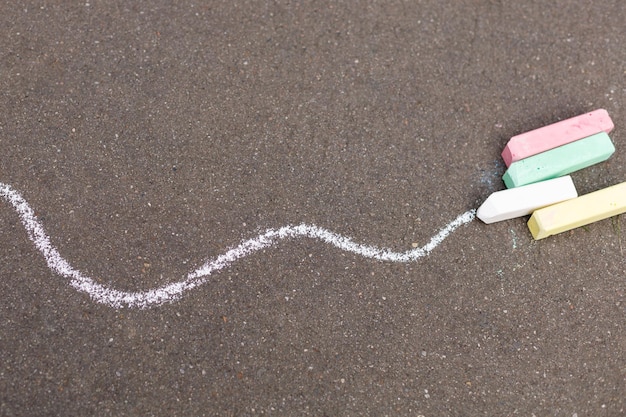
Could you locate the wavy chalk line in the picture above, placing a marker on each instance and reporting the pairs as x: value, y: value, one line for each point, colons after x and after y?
x: 171, y: 292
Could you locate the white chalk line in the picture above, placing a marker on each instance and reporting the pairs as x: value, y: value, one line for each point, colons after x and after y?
x: 170, y: 292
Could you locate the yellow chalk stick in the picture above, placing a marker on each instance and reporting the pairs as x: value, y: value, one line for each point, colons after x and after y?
x: 577, y: 212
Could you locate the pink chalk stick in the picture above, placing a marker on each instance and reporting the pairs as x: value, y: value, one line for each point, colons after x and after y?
x: 555, y: 135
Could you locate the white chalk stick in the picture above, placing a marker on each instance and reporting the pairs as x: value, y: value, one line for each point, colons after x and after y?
x: 521, y: 201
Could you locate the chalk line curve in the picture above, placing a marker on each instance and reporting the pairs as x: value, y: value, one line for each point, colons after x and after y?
x: 171, y: 292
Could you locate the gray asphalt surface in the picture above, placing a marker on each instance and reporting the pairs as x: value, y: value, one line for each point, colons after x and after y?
x: 152, y: 136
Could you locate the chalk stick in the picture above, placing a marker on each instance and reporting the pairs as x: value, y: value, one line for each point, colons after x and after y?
x: 521, y: 201
x: 578, y: 212
x: 555, y: 135
x: 560, y: 161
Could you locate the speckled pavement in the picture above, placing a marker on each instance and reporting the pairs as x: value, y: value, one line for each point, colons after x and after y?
x: 152, y: 137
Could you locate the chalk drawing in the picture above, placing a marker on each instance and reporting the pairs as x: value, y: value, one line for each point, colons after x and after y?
x: 170, y: 292
x: 514, y: 238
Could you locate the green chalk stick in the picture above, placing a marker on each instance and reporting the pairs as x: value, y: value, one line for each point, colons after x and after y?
x: 559, y: 161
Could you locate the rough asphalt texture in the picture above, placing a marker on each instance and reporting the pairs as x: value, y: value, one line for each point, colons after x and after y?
x: 152, y: 136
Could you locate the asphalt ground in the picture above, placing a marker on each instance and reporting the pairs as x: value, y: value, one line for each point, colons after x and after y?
x: 151, y: 137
